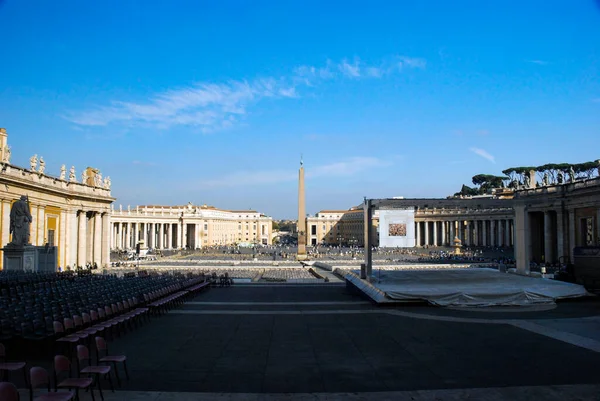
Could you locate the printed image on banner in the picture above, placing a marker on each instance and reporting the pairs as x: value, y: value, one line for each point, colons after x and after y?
x: 397, y: 230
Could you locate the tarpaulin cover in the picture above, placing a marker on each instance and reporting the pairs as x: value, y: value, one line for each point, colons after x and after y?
x: 465, y: 287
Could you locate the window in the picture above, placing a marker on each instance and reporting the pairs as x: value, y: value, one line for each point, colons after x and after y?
x: 313, y: 229
x: 51, y: 237
x: 205, y: 227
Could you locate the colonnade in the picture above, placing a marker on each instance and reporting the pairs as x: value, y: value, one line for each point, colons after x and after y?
x: 89, y: 232
x: 481, y: 232
x: 156, y: 235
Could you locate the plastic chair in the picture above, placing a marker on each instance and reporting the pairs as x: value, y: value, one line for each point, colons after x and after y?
x: 102, y: 348
x: 8, y: 392
x: 39, y: 377
x: 10, y: 366
x: 83, y: 355
x: 62, y: 365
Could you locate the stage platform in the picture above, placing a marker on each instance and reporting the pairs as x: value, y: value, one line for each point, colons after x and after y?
x: 467, y: 287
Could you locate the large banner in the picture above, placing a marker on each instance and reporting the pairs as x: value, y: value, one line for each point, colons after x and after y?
x: 397, y: 228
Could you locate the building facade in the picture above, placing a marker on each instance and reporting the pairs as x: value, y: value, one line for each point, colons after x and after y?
x: 187, y: 227
x: 433, y: 227
x: 68, y: 213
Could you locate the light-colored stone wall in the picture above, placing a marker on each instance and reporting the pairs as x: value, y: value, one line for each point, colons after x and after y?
x: 188, y: 226
x: 53, y: 204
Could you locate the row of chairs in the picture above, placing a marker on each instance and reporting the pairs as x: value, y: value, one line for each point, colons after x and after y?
x: 38, y: 376
x: 28, y: 310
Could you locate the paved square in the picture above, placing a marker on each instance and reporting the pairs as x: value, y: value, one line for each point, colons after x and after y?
x: 307, y: 339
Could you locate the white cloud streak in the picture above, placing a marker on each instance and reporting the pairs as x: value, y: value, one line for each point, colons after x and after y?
x: 484, y: 154
x: 344, y: 168
x: 215, y: 106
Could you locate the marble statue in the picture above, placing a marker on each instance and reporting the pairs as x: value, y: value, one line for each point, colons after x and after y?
x: 20, y: 221
x: 42, y: 165
x: 107, y: 182
x: 72, y: 176
x: 83, y: 177
x: 6, y: 155
x: 33, y: 162
x: 545, y: 180
x: 98, y: 179
x: 560, y: 177
x: 571, y: 174
x: 120, y: 208
x: 63, y: 172
x: 527, y: 181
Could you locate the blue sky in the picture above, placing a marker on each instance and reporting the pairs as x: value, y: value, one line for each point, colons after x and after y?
x: 214, y: 102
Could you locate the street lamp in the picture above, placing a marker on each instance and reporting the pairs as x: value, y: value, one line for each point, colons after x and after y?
x: 340, y: 239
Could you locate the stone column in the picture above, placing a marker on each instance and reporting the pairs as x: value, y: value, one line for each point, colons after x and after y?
x: 105, y: 259
x: 548, y: 254
x: 572, y: 239
x: 128, y: 235
x: 560, y: 235
x: 161, y: 233
x: 598, y: 227
x: 62, y: 240
x: 97, y: 250
x: 468, y: 233
x: 493, y: 233
x: 444, y: 234
x: 435, y: 233
x: 169, y: 236
x: 5, y: 223
x: 144, y: 231
x: 41, y: 234
x: 418, y: 233
x: 484, y: 233
x: 179, y: 231
x: 506, y: 232
x: 152, y: 235
x: 451, y: 232
x: 122, y: 229
x: 81, y: 243
x: 136, y: 235
x: 522, y: 239
x: 184, y: 238
x: 72, y: 243
x: 426, y: 242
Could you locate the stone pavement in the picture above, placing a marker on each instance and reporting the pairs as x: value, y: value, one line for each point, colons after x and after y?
x: 321, y: 342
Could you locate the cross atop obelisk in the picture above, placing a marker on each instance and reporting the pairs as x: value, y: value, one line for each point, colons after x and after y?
x: 301, y: 214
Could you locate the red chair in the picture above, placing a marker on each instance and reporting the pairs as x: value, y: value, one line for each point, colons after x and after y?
x: 102, y: 348
x: 8, y: 392
x: 10, y: 366
x: 83, y: 358
x: 39, y: 377
x: 62, y: 365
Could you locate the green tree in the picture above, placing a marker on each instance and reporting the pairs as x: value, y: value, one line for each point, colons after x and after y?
x: 486, y: 182
x: 587, y: 169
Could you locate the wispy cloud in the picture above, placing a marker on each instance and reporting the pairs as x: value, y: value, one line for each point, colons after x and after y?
x: 209, y: 106
x: 538, y: 62
x: 214, y: 106
x: 343, y: 168
x: 483, y: 153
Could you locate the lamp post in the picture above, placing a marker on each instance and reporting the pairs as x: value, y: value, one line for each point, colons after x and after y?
x: 340, y: 239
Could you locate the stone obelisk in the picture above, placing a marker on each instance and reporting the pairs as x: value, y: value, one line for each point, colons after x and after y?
x: 301, y: 215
